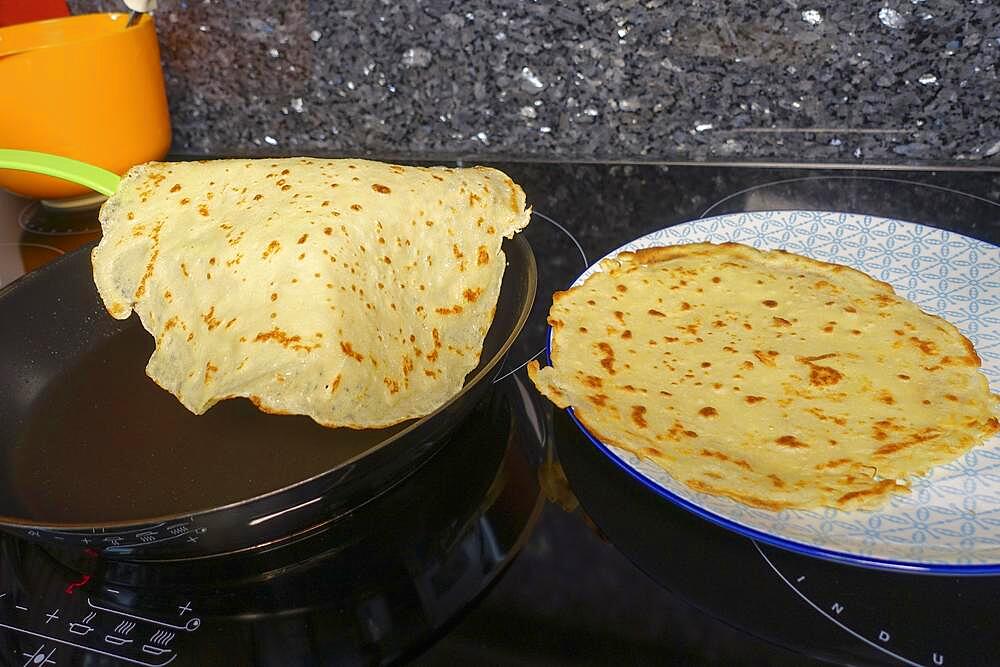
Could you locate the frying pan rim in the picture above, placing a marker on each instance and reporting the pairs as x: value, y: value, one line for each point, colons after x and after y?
x: 530, y: 273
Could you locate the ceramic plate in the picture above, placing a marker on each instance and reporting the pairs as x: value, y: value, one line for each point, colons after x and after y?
x: 950, y: 522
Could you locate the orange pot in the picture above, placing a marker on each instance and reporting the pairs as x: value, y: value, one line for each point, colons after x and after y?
x: 84, y: 87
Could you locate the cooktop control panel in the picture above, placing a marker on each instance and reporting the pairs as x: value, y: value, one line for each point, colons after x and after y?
x: 105, y: 623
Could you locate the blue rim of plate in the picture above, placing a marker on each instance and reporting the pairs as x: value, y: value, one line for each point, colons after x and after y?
x: 753, y: 533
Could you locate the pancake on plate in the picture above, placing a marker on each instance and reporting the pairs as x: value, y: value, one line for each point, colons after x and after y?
x: 767, y: 377
x: 355, y: 292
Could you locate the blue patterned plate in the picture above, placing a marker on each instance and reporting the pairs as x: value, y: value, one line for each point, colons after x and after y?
x: 950, y: 522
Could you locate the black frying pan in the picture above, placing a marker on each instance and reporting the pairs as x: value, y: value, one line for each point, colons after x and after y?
x: 94, y: 454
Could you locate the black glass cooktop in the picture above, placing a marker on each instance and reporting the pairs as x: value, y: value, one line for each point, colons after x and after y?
x: 518, y: 544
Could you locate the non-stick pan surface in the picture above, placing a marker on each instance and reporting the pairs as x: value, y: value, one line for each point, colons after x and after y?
x: 94, y: 453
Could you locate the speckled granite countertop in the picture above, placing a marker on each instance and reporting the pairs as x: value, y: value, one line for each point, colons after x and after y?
x: 895, y: 81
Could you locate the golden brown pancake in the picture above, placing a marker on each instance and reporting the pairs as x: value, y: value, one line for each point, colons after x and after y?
x: 767, y: 377
x: 355, y: 292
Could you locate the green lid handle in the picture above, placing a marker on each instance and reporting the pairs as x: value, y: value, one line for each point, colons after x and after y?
x: 84, y: 174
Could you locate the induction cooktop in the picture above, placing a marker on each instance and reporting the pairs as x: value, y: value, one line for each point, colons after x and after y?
x: 518, y: 543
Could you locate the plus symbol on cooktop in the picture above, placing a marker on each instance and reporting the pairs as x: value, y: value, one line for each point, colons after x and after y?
x: 185, y: 608
x: 52, y: 616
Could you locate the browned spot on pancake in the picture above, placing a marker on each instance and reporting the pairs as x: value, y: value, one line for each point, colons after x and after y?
x: 833, y: 463
x: 355, y: 207
x: 454, y: 310
x: 638, y: 412
x: 272, y: 247
x: 770, y: 303
x: 608, y: 361
x: 766, y: 357
x: 392, y: 385
x: 627, y: 334
x: 593, y: 381
x: 483, y: 256
x: 883, y: 300
x: 709, y: 453
x: 716, y: 279
x: 328, y: 230
x: 821, y: 376
x: 302, y: 239
x: 184, y: 201
x: 513, y: 195
x: 620, y: 316
x: 655, y: 313
x: 881, y: 488
x: 886, y: 397
x: 780, y: 322
x: 456, y: 251
x: 346, y: 348
x: 951, y: 397
x: 819, y: 414
x: 824, y: 376
x: 381, y: 189
x: 210, y: 320
x: 923, y: 435
x: 170, y: 324
x: 621, y: 288
x: 685, y: 305
x: 203, y: 210
x: 706, y: 364
x: 777, y: 481
x: 926, y: 346
x: 791, y: 442
x: 210, y: 370
x: 821, y: 357
x: 708, y: 411
x: 598, y: 399
x: 176, y: 187
x: 280, y: 337
x: 747, y: 365
x: 472, y: 295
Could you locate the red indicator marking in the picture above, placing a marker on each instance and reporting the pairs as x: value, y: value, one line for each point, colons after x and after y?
x: 77, y: 584
x: 90, y: 552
